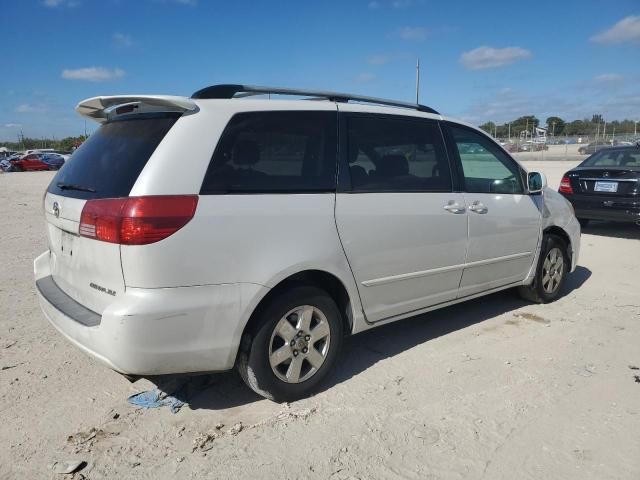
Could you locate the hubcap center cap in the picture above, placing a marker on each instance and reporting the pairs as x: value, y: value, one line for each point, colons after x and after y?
x: 300, y: 344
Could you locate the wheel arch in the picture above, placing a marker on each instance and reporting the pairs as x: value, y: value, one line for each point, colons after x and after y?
x: 324, y: 280
x: 562, y: 234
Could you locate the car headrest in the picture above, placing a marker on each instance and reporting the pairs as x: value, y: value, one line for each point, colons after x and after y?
x: 246, y: 152
x: 353, y: 151
x: 627, y: 159
x: 393, y: 166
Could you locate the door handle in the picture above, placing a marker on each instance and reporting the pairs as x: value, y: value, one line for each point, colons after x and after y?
x: 478, y: 207
x: 454, y: 207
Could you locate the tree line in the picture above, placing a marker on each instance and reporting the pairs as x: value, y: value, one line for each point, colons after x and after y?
x: 557, y: 126
x: 63, y: 145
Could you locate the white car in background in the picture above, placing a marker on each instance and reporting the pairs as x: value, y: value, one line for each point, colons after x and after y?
x: 198, y: 234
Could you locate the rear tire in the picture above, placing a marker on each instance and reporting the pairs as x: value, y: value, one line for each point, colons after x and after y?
x: 551, y: 272
x: 294, y: 345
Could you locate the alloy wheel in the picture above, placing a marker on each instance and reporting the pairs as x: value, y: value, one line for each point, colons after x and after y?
x: 299, y: 344
x: 552, y: 270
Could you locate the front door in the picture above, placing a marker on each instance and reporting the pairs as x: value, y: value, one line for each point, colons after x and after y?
x: 504, y: 221
x: 403, y: 229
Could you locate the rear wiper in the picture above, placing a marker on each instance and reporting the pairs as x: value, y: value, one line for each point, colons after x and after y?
x: 71, y: 186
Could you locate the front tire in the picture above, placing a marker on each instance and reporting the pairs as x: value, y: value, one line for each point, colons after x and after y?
x: 584, y: 222
x: 551, y: 272
x: 294, y: 345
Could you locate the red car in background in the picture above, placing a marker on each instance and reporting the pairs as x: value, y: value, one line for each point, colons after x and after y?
x: 28, y: 163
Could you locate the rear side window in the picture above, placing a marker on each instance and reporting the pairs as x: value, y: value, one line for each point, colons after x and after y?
x: 275, y: 152
x: 109, y: 162
x: 388, y: 154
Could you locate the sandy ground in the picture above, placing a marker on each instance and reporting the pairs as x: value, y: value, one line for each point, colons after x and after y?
x: 494, y: 388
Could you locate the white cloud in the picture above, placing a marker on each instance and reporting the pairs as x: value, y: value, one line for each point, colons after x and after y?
x: 60, y: 3
x: 122, y: 40
x: 626, y: 30
x: 608, y: 79
x: 378, y: 59
x: 93, y: 74
x: 13, y: 125
x: 365, y: 77
x: 415, y: 34
x: 488, y: 57
x: 28, y: 108
x: 374, y: 5
x: 401, y: 3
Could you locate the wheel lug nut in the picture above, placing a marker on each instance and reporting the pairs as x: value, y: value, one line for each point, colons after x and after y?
x: 307, y: 337
x: 295, y: 353
x: 305, y: 350
x: 292, y: 343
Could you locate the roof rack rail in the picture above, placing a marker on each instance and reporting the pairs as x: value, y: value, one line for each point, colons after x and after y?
x: 232, y: 90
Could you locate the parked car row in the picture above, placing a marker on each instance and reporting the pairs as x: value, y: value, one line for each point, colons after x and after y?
x: 594, y: 147
x: 525, y: 147
x: 33, y: 162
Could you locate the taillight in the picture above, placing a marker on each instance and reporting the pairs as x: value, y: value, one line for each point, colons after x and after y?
x: 136, y: 220
x: 565, y: 186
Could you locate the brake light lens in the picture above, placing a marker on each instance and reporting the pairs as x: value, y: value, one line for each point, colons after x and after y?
x: 136, y: 220
x: 565, y: 186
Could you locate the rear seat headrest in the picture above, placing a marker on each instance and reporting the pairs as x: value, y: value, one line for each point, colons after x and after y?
x: 246, y: 152
x: 393, y: 166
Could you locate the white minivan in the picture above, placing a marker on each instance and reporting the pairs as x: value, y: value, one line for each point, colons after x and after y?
x: 198, y: 234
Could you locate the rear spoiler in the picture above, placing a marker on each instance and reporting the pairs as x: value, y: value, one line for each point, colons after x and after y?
x: 96, y: 108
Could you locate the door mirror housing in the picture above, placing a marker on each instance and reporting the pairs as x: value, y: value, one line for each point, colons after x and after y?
x: 536, y: 182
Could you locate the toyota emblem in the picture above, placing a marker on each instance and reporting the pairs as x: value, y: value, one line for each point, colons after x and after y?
x: 56, y: 209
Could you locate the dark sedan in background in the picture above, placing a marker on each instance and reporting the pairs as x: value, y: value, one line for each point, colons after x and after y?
x: 606, y: 186
x: 54, y: 160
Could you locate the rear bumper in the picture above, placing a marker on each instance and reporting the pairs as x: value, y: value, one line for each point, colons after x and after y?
x: 618, y: 209
x: 157, y: 331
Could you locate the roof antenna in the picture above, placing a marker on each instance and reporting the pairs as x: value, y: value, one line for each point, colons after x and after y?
x: 417, y: 80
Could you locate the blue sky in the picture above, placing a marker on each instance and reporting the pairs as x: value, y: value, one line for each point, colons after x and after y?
x: 480, y: 60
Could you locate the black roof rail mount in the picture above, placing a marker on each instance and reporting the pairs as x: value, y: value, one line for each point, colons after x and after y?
x: 232, y: 90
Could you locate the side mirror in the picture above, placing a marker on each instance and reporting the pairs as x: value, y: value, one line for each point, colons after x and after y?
x: 536, y: 182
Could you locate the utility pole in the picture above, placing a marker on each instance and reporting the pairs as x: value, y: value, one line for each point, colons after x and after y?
x: 417, y: 80
x: 553, y: 129
x: 509, y: 132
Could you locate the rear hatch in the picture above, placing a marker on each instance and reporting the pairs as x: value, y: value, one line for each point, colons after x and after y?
x: 106, y: 166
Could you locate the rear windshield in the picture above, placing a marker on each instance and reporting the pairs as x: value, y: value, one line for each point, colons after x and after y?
x: 109, y: 161
x: 614, y: 158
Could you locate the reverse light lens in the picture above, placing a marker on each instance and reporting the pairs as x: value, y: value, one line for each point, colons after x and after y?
x: 136, y: 220
x: 565, y: 186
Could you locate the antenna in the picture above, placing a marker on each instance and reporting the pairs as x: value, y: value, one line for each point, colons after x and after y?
x: 417, y: 80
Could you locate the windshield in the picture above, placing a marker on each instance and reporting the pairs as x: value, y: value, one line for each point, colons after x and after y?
x: 110, y: 161
x: 614, y: 158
